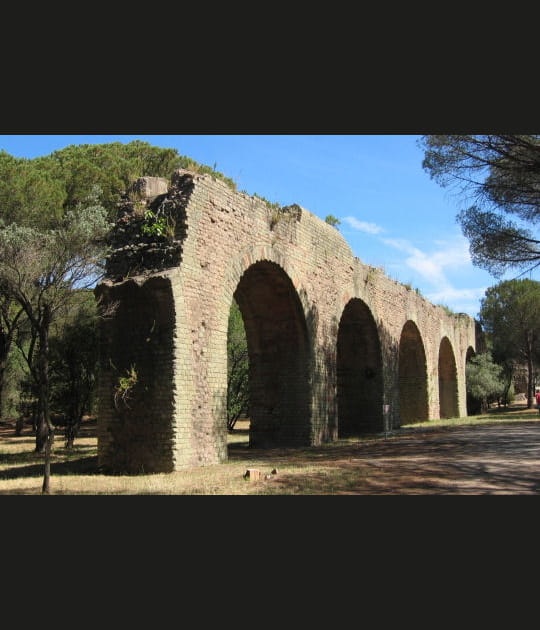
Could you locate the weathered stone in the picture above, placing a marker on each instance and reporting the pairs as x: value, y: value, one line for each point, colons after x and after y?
x: 148, y: 187
x: 336, y: 347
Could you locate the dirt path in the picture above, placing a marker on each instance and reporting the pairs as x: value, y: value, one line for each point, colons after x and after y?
x: 486, y: 459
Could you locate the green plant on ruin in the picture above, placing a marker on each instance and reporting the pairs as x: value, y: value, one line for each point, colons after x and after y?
x: 372, y: 274
x: 333, y: 221
x: 157, y: 225
x: 124, y: 387
x: 271, y: 204
x: 447, y: 309
x: 275, y: 218
x: 202, y: 169
x: 410, y: 287
x: 284, y: 213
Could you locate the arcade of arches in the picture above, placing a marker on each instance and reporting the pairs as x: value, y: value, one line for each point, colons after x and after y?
x: 336, y: 348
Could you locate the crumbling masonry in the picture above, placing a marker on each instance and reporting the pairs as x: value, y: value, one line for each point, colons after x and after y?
x: 336, y: 348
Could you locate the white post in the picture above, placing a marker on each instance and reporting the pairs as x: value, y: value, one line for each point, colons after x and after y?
x: 386, y: 413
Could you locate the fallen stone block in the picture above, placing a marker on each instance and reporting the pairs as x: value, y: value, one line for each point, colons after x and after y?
x: 252, y: 474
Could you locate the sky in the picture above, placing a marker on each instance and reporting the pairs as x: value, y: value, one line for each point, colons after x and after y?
x: 392, y: 214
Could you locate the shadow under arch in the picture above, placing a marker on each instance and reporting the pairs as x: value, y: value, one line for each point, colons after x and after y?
x: 279, y: 357
x: 359, y: 372
x: 474, y: 406
x: 412, y: 380
x: 448, y: 390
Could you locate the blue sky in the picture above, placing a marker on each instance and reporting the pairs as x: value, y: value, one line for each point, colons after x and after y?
x: 392, y: 215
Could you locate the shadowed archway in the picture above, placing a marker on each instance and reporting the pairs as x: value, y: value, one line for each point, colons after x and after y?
x: 413, y: 392
x: 279, y: 357
x: 359, y: 372
x: 448, y: 393
x: 474, y: 406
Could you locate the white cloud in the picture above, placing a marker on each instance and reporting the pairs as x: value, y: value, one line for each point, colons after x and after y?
x: 459, y: 300
x: 431, y: 267
x: 363, y: 226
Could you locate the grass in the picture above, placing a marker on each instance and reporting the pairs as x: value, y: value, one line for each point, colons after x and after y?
x: 340, y: 467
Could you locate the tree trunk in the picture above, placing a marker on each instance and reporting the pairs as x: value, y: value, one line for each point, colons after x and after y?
x: 2, y: 369
x: 46, y: 488
x: 40, y: 424
x: 44, y: 387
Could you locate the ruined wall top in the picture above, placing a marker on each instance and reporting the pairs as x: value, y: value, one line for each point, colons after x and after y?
x: 155, y: 219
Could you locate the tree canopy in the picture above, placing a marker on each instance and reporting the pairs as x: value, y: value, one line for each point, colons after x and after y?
x: 501, y: 175
x: 39, y: 191
x: 28, y: 196
x: 40, y: 270
x: 510, y: 315
x: 485, y: 380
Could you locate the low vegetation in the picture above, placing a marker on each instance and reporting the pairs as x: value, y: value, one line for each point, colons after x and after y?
x: 336, y: 468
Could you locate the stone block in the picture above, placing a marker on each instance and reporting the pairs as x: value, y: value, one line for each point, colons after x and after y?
x: 149, y: 187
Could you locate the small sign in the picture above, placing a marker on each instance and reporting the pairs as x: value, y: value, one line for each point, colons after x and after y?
x: 386, y: 408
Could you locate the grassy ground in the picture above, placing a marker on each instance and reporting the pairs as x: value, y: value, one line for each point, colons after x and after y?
x: 338, y: 468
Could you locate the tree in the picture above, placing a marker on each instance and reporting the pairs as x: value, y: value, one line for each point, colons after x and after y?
x: 112, y: 167
x: 501, y: 173
x: 73, y: 364
x: 10, y: 315
x: 39, y: 269
x: 332, y: 220
x: 485, y: 380
x: 237, y: 368
x: 510, y: 315
x: 28, y: 196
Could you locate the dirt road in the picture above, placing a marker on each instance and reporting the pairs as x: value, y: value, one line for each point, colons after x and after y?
x: 486, y: 459
x: 482, y: 459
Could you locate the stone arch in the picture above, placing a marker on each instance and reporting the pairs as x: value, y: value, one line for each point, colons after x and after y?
x: 448, y: 382
x: 253, y: 255
x: 412, y: 380
x: 279, y: 356
x: 359, y: 372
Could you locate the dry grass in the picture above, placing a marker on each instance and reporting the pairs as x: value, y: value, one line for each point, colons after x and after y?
x: 350, y: 466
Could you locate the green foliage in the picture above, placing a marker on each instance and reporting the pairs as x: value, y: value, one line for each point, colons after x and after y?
x: 37, y: 192
x: 27, y: 195
x: 155, y: 225
x: 332, y: 220
x: 113, y: 167
x: 124, y: 387
x: 485, y: 380
x: 39, y: 270
x: 237, y: 368
x: 510, y: 315
x: 73, y: 363
x: 502, y: 174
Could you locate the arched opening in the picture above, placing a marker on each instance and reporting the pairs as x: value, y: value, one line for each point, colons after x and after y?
x: 474, y: 405
x: 413, y: 392
x: 359, y: 372
x: 237, y: 374
x: 279, y: 357
x: 448, y: 394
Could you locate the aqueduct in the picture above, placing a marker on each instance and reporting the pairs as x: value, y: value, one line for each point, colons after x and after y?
x: 336, y: 348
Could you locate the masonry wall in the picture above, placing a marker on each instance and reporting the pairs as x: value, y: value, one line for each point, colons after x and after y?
x: 300, y: 290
